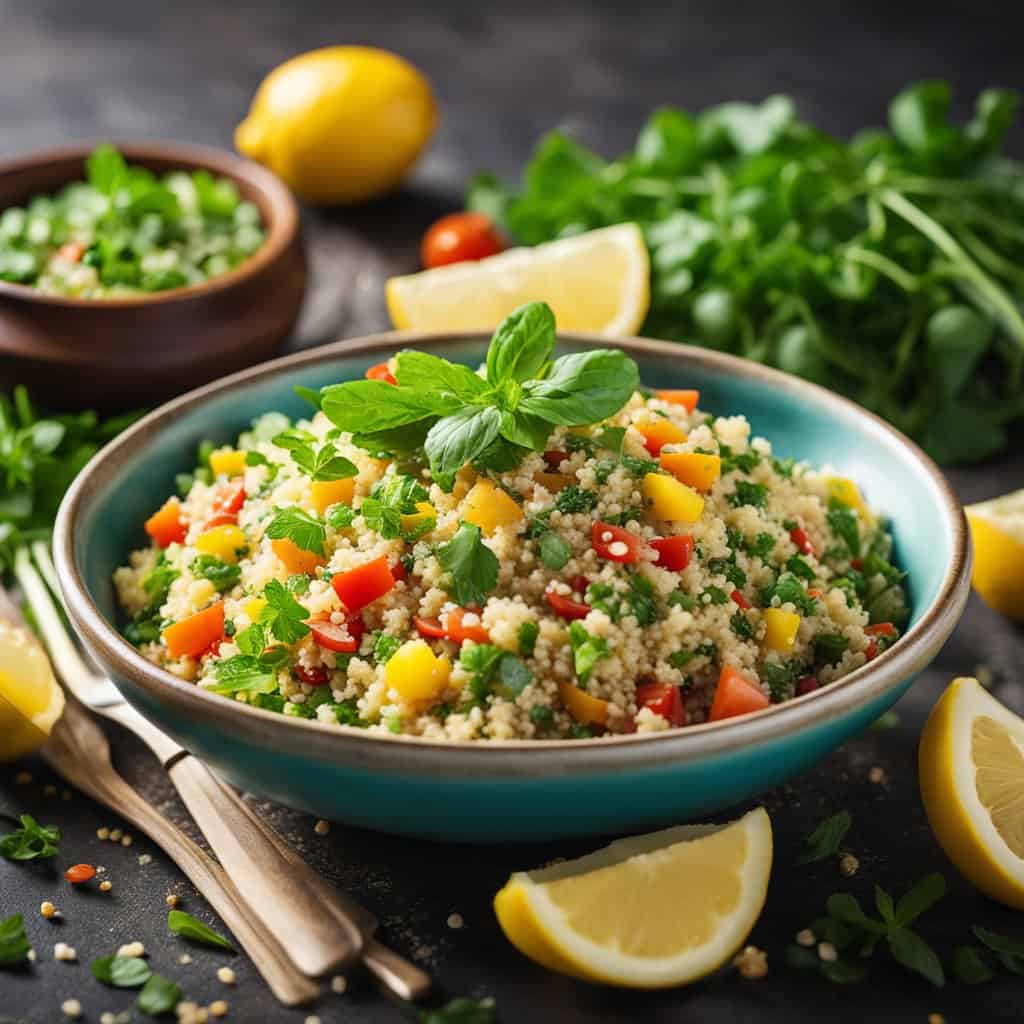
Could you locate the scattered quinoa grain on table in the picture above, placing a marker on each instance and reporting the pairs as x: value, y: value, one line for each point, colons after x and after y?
x: 338, y: 984
x: 805, y: 937
x: 848, y: 865
x: 455, y: 921
x: 71, y: 1008
x: 751, y: 962
x: 172, y: 900
x: 106, y: 885
x: 47, y: 909
x: 225, y: 975
x: 321, y: 828
x: 103, y: 833
x: 827, y: 952
x: 218, y: 1008
x: 132, y: 949
x: 62, y: 951
x: 658, y: 568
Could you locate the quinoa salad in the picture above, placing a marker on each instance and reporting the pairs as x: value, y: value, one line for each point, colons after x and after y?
x: 537, y: 550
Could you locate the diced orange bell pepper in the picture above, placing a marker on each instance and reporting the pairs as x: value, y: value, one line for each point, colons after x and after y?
x: 735, y: 695
x: 190, y: 637
x: 694, y: 469
x: 678, y: 396
x: 660, y: 432
x: 166, y: 526
x: 326, y: 493
x: 295, y: 559
x: 364, y: 584
x: 552, y: 482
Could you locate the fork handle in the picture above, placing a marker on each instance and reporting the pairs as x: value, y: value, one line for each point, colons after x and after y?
x: 288, y: 985
x: 316, y: 941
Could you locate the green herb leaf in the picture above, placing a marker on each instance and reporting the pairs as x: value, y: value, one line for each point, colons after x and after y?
x: 14, y: 944
x: 826, y: 839
x: 528, y: 633
x: 999, y: 943
x: 584, y: 387
x: 282, y: 614
x: 969, y: 966
x: 459, y: 439
x: 302, y: 529
x: 914, y: 953
x: 462, y: 1011
x: 923, y: 895
x: 189, y: 927
x: 31, y: 841
x: 554, y: 551
x: 587, y: 650
x: 158, y: 995
x: 429, y: 373
x: 222, y: 575
x: 121, y: 971
x: 368, y: 406
x: 471, y: 566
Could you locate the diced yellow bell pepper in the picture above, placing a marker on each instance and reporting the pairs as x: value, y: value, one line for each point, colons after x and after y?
x: 412, y: 522
x: 781, y: 630
x: 585, y: 709
x: 416, y: 673
x: 326, y: 493
x: 695, y: 469
x: 294, y: 558
x: 846, y: 491
x: 227, y: 462
x: 253, y: 607
x: 490, y: 507
x: 671, y: 500
x: 223, y: 542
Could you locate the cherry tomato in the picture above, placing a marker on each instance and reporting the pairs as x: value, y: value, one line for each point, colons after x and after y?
x: 458, y: 237
x: 799, y: 537
x: 230, y: 499
x: 79, y: 873
x: 579, y: 584
x: 735, y: 695
x: 360, y: 586
x: 615, y: 543
x: 398, y: 571
x: 460, y: 632
x: 566, y: 607
x: 381, y: 371
x: 881, y: 629
x: 663, y: 699
x: 342, y: 637
x: 740, y: 599
x: 674, y: 553
x: 318, y: 676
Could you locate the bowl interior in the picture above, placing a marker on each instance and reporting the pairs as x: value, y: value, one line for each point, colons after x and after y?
x: 801, y: 421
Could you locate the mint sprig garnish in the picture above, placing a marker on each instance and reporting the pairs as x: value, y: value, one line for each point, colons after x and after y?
x: 461, y: 418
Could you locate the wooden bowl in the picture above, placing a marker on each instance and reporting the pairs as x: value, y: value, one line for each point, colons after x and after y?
x: 139, y: 350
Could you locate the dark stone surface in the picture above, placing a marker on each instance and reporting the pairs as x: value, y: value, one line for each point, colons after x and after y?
x: 503, y: 75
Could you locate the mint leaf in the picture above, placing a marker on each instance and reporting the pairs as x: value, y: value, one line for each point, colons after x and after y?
x: 31, y: 841
x: 14, y: 944
x: 584, y: 387
x: 462, y: 1011
x: 826, y: 839
x: 159, y: 995
x: 914, y: 953
x: 325, y: 464
x: 302, y: 529
x: 430, y: 373
x: 924, y: 894
x: 969, y: 967
x: 121, y: 971
x: 458, y: 439
x: 522, y: 344
x: 471, y: 566
x: 189, y: 927
x: 1008, y: 944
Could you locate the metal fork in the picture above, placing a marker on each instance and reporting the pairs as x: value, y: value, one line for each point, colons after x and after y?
x: 282, y: 890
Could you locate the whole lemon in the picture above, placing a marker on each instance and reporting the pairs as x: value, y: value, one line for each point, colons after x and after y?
x: 340, y: 125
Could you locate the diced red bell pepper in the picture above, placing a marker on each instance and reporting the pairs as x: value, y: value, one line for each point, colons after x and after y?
x: 615, y: 543
x: 871, y: 651
x: 230, y: 498
x: 166, y: 526
x: 881, y: 629
x: 806, y: 685
x: 430, y: 628
x: 318, y: 676
x: 381, y: 371
x: 663, y: 699
x: 221, y: 519
x: 358, y: 587
x: 674, y: 553
x: 460, y: 632
x: 555, y: 458
x: 579, y: 584
x: 566, y: 607
x: 341, y: 637
x: 740, y: 599
x: 735, y: 695
x: 799, y: 537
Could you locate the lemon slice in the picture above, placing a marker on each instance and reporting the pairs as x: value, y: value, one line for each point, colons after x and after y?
x: 971, y: 763
x: 597, y: 281
x: 648, y: 912
x: 997, y: 529
x: 31, y: 700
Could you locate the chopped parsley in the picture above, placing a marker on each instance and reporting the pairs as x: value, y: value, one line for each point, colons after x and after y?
x: 799, y: 567
x: 714, y: 595
x: 677, y: 599
x: 340, y: 516
x: 30, y: 841
x: 384, y: 647
x: 223, y: 575
x: 587, y: 650
x: 749, y: 494
x: 575, y: 499
x: 760, y: 546
x: 528, y: 633
x: 830, y: 647
x: 282, y: 614
x: 740, y: 625
x: 395, y: 496
x: 302, y: 529
x: 554, y: 551
x: 843, y: 521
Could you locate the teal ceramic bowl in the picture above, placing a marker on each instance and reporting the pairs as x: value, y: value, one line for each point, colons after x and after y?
x: 491, y: 792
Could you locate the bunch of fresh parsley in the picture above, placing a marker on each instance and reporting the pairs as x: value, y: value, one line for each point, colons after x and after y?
x: 889, y: 268
x: 461, y: 418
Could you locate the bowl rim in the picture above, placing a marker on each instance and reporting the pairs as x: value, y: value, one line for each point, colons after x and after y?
x: 509, y: 758
x: 281, y: 226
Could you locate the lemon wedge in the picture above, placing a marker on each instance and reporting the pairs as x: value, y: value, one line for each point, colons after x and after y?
x: 997, y: 529
x: 971, y: 763
x: 652, y: 911
x: 597, y: 281
x: 31, y: 700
